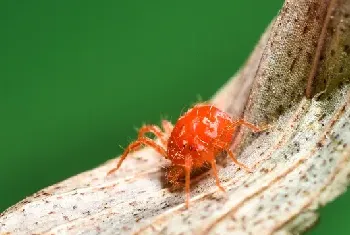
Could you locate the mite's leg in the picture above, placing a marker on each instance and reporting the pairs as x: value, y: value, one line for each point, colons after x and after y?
x: 251, y: 126
x: 230, y: 153
x: 153, y: 129
x: 188, y: 166
x: 167, y: 126
x: 215, y: 173
x: 134, y: 146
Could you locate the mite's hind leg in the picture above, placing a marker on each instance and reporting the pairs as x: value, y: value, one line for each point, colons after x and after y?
x: 134, y: 146
x: 188, y: 166
x: 232, y: 156
x: 215, y: 173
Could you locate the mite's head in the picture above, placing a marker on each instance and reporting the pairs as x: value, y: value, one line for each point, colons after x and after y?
x: 179, y: 149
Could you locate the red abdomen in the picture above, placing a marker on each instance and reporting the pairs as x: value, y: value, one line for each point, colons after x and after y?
x: 199, y: 133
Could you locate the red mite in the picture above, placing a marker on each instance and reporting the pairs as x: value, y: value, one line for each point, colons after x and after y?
x: 197, y: 138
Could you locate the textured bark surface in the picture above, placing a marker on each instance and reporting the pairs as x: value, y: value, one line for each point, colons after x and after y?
x: 297, y: 80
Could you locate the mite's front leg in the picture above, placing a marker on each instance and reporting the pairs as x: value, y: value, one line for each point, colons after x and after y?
x: 134, y: 146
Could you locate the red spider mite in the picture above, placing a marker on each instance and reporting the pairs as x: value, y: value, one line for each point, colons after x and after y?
x: 198, y: 136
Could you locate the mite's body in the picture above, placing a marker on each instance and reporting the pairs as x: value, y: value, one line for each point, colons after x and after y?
x: 196, y: 139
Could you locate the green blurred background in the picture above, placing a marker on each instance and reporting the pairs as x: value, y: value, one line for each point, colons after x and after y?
x: 76, y: 77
